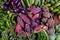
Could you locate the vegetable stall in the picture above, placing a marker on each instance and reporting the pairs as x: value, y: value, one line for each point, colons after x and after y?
x: 30, y: 19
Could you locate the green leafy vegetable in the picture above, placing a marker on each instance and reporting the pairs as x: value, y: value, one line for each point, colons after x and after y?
x: 4, y: 35
x: 12, y: 35
x: 33, y: 36
x: 6, y: 20
x: 42, y: 35
x: 22, y: 37
x: 52, y: 36
x: 58, y: 28
x: 58, y: 37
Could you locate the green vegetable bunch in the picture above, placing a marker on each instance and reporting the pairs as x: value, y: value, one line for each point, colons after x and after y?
x: 4, y: 35
x: 28, y: 3
x: 12, y: 35
x: 42, y: 35
x: 54, y: 5
x: 6, y: 20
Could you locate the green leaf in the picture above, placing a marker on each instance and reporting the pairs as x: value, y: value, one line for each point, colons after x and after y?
x: 52, y: 1
x: 37, y: 1
x: 52, y: 36
x: 57, y: 4
x: 28, y: 4
x: 4, y: 35
x: 22, y: 2
x: 6, y: 21
x: 33, y: 36
x: 42, y: 35
x: 12, y: 35
x: 58, y: 37
x: 31, y: 1
x: 48, y: 0
x: 57, y: 28
x: 22, y: 37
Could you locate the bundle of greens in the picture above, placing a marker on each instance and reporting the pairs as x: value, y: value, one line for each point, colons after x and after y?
x: 54, y: 6
x: 6, y: 20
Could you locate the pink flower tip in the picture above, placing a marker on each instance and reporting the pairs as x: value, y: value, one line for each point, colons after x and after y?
x: 18, y: 29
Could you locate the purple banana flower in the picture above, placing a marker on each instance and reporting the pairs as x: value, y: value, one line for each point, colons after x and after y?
x: 34, y: 10
x: 20, y: 21
x: 25, y: 18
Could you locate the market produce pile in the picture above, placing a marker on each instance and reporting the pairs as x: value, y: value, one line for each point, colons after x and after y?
x: 30, y: 19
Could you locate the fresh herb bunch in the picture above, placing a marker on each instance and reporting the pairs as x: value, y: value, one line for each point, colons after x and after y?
x: 4, y: 35
x: 8, y: 35
x: 6, y: 20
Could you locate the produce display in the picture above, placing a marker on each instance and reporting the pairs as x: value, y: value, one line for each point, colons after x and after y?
x: 30, y: 19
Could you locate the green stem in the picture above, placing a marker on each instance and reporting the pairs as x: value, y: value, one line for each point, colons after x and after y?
x: 22, y: 3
